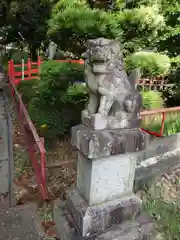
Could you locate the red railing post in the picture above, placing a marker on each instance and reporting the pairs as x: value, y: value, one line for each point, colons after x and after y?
x: 39, y: 64
x: 11, y: 75
x: 162, y: 123
x: 43, y: 163
x: 12, y: 70
x: 29, y: 67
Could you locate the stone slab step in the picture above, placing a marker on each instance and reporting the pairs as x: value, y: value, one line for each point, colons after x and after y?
x: 20, y: 223
x: 140, y: 228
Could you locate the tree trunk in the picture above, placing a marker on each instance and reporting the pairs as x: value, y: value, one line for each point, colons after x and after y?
x: 33, y: 53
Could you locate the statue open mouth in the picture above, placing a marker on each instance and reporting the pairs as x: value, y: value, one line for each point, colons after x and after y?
x: 99, y: 67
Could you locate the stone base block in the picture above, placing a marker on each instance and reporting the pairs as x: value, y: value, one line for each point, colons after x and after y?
x: 98, y: 122
x: 92, y: 219
x: 137, y: 229
x: 104, y: 143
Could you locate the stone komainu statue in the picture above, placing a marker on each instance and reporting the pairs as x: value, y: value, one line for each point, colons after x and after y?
x: 114, y: 101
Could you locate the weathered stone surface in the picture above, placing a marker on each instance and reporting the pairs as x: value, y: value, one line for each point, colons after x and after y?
x: 4, y: 177
x: 92, y: 219
x: 114, y: 101
x: 159, y: 146
x: 3, y: 138
x: 106, y: 178
x: 138, y: 229
x: 1, y: 79
x: 104, y: 143
x: 20, y: 223
x: 155, y: 166
x: 4, y: 186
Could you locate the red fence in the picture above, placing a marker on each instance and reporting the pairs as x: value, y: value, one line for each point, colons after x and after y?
x: 35, y: 144
x: 31, y: 69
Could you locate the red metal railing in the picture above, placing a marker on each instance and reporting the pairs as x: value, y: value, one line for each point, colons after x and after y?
x: 31, y: 69
x: 35, y: 144
x: 164, y: 112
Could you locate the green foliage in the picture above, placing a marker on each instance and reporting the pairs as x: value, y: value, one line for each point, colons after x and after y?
x: 63, y: 4
x: 174, y: 75
x: 70, y: 72
x: 70, y: 26
x: 58, y: 103
x: 165, y: 212
x: 169, y: 39
x: 15, y: 55
x: 28, y: 90
x: 171, y: 126
x: 152, y: 100
x: 18, y: 55
x: 140, y: 27
x: 139, y: 3
x: 29, y: 18
x: 172, y: 96
x: 150, y: 63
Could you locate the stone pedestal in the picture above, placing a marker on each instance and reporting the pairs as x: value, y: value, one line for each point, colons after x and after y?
x: 103, y: 206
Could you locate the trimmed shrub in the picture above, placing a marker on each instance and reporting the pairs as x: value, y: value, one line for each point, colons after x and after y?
x: 58, y: 103
x: 139, y: 26
x: 73, y: 22
x: 150, y: 63
x: 28, y: 89
x: 152, y: 100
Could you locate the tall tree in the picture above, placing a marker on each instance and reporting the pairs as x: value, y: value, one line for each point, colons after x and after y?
x: 73, y: 22
x: 169, y: 41
x: 27, y: 20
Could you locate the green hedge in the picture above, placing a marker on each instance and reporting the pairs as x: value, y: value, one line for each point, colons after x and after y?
x: 150, y: 63
x: 28, y: 90
x: 152, y: 100
x: 58, y: 103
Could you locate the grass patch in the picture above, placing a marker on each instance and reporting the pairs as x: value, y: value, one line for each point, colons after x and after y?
x: 165, y: 214
x: 171, y: 126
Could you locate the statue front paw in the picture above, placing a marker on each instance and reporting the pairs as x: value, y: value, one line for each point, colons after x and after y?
x: 99, y: 121
x: 85, y: 113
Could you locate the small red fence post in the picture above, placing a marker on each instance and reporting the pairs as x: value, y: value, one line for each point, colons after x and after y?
x: 11, y: 74
x: 29, y: 67
x: 43, y: 164
x: 162, y: 123
x: 39, y: 64
x: 12, y: 70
